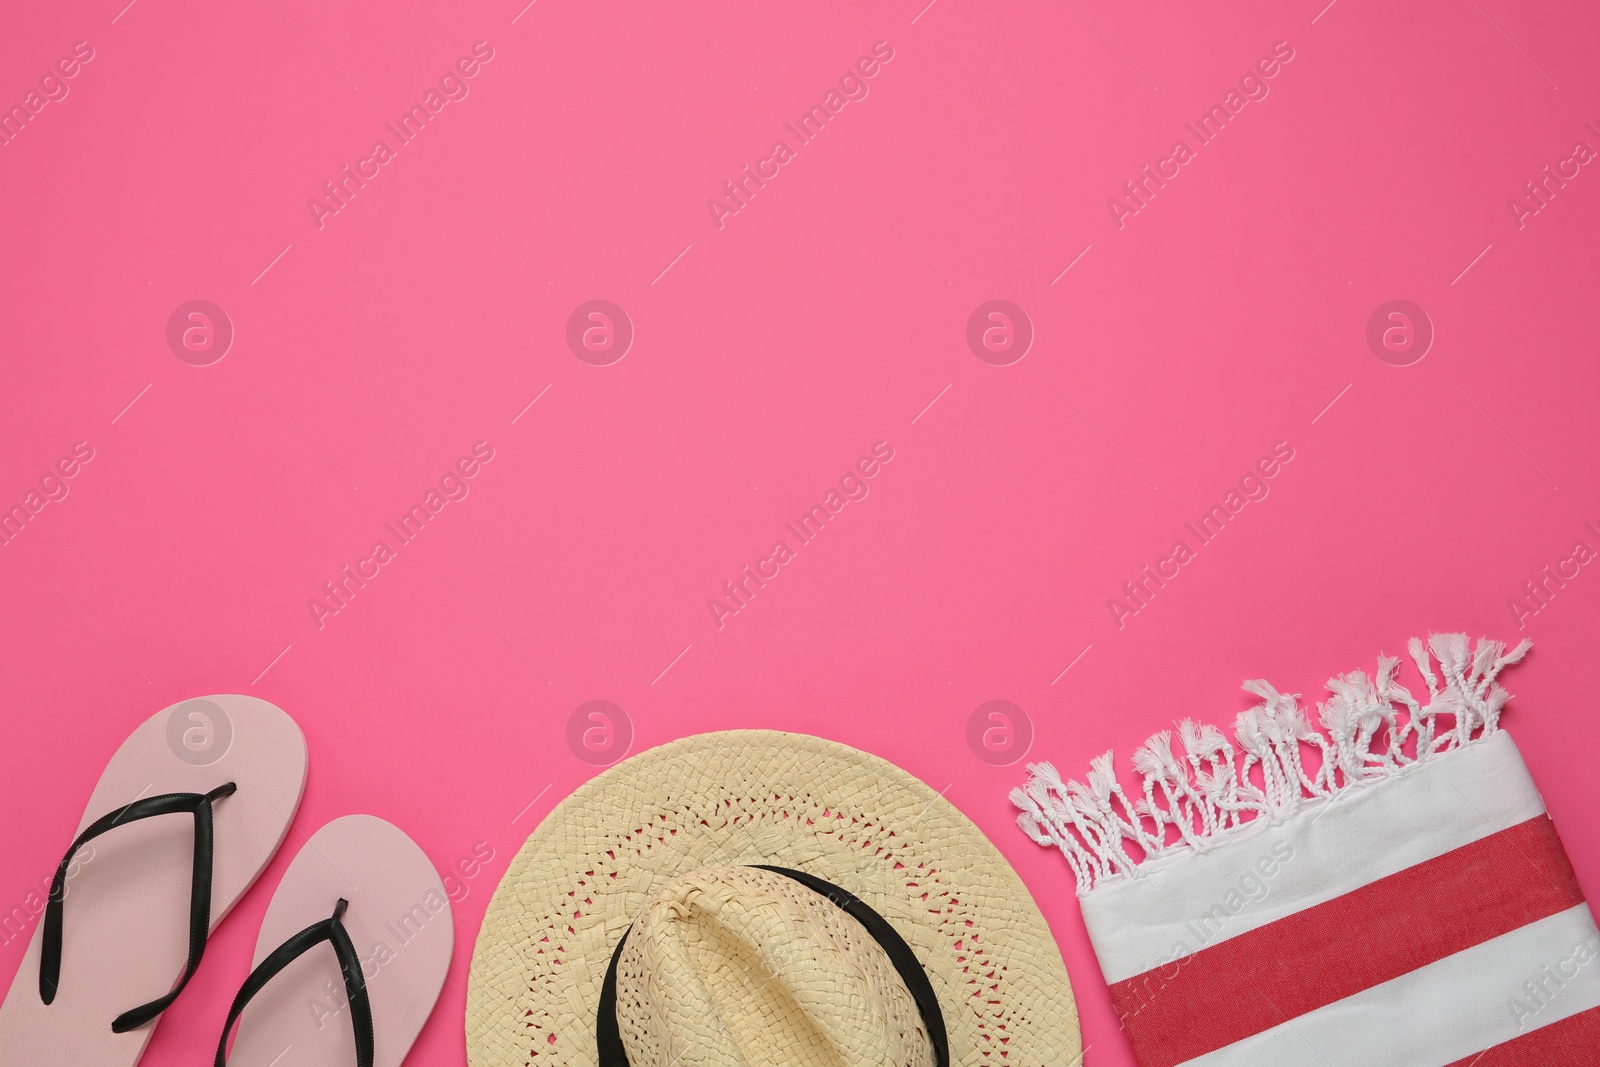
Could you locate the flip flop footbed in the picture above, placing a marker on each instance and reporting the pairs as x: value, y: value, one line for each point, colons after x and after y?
x: 125, y: 930
x: 400, y: 925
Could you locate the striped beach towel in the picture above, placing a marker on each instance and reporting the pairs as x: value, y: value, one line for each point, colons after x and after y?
x: 1385, y: 890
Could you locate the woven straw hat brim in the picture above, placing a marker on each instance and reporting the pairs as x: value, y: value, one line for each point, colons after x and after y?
x: 760, y: 796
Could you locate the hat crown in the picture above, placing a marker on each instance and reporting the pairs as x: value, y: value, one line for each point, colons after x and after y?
x: 735, y: 965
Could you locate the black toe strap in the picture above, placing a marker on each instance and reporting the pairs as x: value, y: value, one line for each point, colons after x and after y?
x: 355, y: 983
x: 196, y: 804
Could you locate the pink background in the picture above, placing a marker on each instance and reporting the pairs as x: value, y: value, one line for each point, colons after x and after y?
x: 1226, y: 316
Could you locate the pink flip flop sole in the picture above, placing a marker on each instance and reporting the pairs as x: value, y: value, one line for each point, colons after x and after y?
x: 400, y: 924
x: 125, y: 934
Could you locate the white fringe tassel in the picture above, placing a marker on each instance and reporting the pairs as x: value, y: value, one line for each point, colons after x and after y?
x: 1196, y: 799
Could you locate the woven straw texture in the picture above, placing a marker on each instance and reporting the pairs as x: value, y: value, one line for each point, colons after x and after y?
x: 735, y: 799
x: 726, y: 959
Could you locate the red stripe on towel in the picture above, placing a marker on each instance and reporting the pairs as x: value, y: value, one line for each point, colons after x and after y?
x: 1572, y: 1042
x: 1266, y: 976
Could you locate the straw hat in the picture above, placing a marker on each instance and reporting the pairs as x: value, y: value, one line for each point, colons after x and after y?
x: 765, y: 898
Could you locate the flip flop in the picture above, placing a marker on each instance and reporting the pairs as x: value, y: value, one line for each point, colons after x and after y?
x: 352, y: 954
x: 188, y: 813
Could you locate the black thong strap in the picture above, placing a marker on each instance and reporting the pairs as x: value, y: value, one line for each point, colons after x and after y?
x: 355, y: 983
x: 196, y: 804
